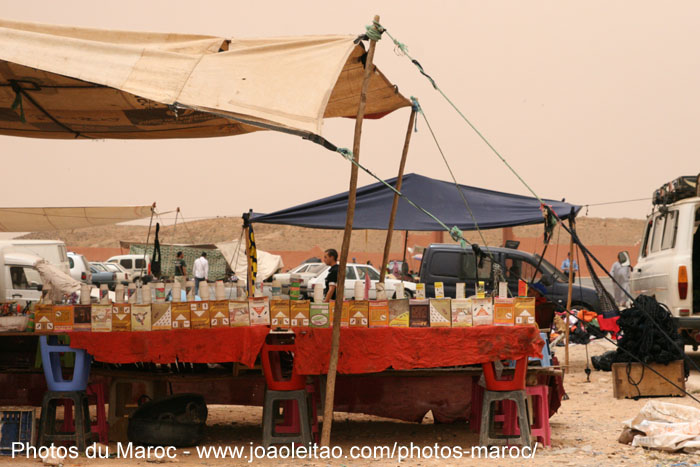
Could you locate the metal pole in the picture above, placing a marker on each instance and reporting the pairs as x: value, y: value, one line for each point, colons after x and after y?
x: 568, y: 300
x: 340, y: 288
x: 395, y: 204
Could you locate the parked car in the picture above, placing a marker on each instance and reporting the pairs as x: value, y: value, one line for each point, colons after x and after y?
x: 668, y: 266
x: 53, y: 251
x: 101, y: 275
x: 79, y: 268
x: 450, y: 264
x: 134, y: 265
x: 306, y: 271
x: 122, y: 275
x: 356, y: 272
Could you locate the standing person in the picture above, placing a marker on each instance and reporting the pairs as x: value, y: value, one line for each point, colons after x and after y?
x: 621, y: 273
x: 200, y: 270
x: 566, y: 264
x: 330, y: 258
x: 180, y: 269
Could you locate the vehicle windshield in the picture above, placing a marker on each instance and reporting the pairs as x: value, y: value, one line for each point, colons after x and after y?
x: 549, y: 268
x: 317, y: 268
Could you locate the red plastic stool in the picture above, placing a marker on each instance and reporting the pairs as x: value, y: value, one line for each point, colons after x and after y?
x: 516, y: 383
x: 540, y: 413
x: 96, y: 396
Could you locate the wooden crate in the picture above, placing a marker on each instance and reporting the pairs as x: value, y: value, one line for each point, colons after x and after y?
x: 633, y: 380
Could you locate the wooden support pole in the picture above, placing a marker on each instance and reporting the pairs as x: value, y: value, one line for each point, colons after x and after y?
x: 568, y: 303
x: 340, y: 288
x: 395, y: 204
x: 246, y: 233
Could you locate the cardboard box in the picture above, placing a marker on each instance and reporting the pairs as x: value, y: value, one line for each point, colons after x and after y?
x: 359, y: 313
x: 161, y: 316
x: 525, y: 311
x: 345, y: 313
x: 461, y: 312
x: 440, y: 313
x: 101, y: 317
x: 482, y: 311
x: 199, y: 314
x: 503, y: 311
x: 419, y: 313
x: 238, y: 313
x: 259, y: 311
x: 121, y: 317
x: 43, y: 319
x: 420, y: 291
x: 379, y: 313
x: 218, y: 314
x: 439, y: 290
x: 522, y: 288
x: 398, y: 313
x: 63, y: 318
x: 300, y: 313
x: 141, y: 317
x: 279, y: 313
x: 81, y: 318
x: 319, y: 315
x: 181, y: 316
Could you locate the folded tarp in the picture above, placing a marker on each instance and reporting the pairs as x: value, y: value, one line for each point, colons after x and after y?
x: 68, y: 82
x: 492, y: 209
x: 46, y: 219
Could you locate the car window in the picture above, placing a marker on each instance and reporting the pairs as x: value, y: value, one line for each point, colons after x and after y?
x: 519, y: 268
x: 658, y: 233
x: 670, y: 229
x: 98, y: 267
x: 126, y: 263
x: 140, y: 263
x: 647, y: 239
x: 373, y: 275
x: 316, y: 268
x: 350, y: 273
x: 302, y: 268
x: 71, y: 263
x: 446, y: 264
x: 23, y: 278
x: 111, y: 267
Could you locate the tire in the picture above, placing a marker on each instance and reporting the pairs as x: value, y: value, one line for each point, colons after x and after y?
x: 407, y: 294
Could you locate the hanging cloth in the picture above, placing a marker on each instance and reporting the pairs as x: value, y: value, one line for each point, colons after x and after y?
x: 155, y: 260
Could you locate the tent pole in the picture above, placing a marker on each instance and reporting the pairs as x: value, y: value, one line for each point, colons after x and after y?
x: 246, y: 232
x: 340, y: 288
x: 395, y: 204
x: 568, y: 301
x: 405, y: 246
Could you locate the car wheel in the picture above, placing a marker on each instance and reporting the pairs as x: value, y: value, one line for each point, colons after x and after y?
x: 407, y: 294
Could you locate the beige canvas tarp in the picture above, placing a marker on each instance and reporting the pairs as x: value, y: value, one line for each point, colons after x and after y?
x: 68, y: 82
x: 44, y: 219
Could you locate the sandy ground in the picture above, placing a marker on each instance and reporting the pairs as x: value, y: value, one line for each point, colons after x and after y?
x: 584, y: 431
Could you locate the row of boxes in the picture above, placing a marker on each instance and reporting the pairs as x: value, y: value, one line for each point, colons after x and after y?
x: 261, y: 311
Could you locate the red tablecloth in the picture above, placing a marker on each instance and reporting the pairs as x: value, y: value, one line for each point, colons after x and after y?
x: 364, y: 350
x: 213, y: 345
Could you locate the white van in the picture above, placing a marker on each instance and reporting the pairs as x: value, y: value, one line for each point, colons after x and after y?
x: 53, y: 251
x: 134, y: 265
x: 669, y: 258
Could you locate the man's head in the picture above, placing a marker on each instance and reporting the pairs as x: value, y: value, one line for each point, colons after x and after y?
x: 204, y: 254
x: 179, y: 254
x: 330, y: 257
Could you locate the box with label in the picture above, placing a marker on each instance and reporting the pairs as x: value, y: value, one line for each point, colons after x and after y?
x: 81, y: 318
x: 439, y: 290
x: 279, y: 313
x: 121, y: 317
x: 420, y: 291
x: 440, y: 313
x: 199, y: 314
x: 181, y: 315
x: 482, y: 311
x: 344, y: 315
x: 141, y: 317
x: 101, y: 316
x: 503, y: 311
x: 379, y: 313
x: 461, y: 312
x: 238, y: 313
x: 259, y: 311
x: 522, y: 288
x: 218, y: 314
x: 398, y: 313
x: 525, y: 311
x: 63, y: 318
x: 299, y: 310
x: 419, y: 313
x: 319, y: 315
x: 43, y: 319
x: 359, y: 313
x: 161, y: 316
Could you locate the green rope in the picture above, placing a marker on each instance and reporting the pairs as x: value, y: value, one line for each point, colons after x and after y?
x: 404, y: 49
x: 374, y: 31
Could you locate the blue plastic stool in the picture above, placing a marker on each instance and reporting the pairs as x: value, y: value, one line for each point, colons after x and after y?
x: 545, y: 361
x: 51, y: 362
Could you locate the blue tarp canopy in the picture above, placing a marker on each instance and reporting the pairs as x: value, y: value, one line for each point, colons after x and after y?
x: 492, y: 209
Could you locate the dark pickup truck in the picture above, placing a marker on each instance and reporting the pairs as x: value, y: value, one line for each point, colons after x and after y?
x: 451, y: 264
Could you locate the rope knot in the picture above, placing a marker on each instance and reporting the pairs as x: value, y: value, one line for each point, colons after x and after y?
x: 374, y: 31
x: 346, y: 153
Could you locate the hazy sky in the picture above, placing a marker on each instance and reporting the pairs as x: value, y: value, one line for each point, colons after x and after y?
x: 594, y: 101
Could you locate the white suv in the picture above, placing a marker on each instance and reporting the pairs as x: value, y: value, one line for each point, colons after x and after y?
x: 669, y: 258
